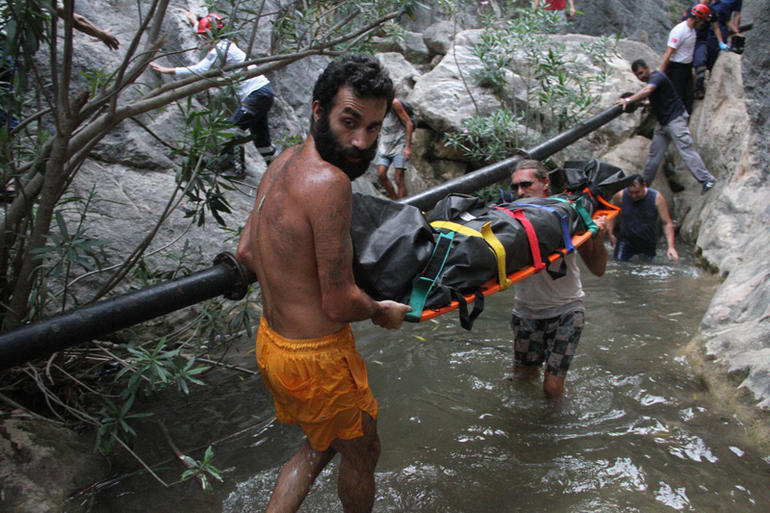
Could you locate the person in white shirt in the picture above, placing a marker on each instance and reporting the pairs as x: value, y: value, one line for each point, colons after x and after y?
x: 677, y: 61
x: 256, y: 94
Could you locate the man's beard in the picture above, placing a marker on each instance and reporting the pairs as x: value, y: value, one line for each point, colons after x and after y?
x: 334, y: 153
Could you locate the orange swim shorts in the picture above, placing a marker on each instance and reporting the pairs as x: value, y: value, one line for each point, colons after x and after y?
x: 320, y: 384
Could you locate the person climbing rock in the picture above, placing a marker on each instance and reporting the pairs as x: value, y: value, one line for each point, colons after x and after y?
x: 255, y: 94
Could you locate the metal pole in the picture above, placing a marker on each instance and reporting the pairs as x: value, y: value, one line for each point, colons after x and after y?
x: 227, y: 277
x: 493, y: 173
x: 45, y: 337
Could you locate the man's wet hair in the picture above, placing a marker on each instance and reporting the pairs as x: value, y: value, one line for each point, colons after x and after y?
x: 638, y: 63
x: 541, y: 173
x: 363, y: 73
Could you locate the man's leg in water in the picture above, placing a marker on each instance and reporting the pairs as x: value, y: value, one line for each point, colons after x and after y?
x: 355, y: 484
x: 296, y: 478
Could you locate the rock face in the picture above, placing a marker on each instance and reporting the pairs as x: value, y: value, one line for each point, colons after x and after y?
x: 42, y: 465
x: 642, y: 21
x: 731, y: 227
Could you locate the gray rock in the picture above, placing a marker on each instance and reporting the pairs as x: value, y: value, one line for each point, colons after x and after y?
x: 438, y: 37
x: 401, y: 71
x: 42, y: 464
x: 415, y: 49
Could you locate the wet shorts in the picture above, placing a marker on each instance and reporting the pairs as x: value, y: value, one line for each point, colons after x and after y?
x: 320, y: 384
x: 553, y: 341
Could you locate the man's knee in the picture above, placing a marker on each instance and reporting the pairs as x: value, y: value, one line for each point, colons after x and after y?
x: 382, y: 172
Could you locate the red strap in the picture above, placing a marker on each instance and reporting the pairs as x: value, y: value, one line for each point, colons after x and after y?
x: 534, y: 245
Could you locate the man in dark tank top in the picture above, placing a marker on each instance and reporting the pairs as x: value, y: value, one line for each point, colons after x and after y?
x: 640, y: 209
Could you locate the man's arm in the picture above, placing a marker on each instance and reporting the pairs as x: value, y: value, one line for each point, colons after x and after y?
x: 572, y: 8
x: 668, y: 226
x: 616, y: 200
x: 637, y: 96
x: 536, y: 5
x: 81, y: 23
x: 330, y: 217
x: 400, y: 111
x: 717, y: 32
x: 199, y: 68
x: 593, y: 252
x: 666, y: 57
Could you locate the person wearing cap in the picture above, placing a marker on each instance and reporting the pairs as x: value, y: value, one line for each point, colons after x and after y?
x: 677, y: 60
x: 672, y: 124
x: 255, y: 93
x: 708, y: 44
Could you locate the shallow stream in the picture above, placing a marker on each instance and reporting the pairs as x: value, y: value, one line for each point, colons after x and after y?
x: 635, y: 432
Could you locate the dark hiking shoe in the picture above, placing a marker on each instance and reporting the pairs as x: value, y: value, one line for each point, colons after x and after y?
x: 700, y: 94
x: 707, y: 186
x: 237, y: 167
x: 268, y: 153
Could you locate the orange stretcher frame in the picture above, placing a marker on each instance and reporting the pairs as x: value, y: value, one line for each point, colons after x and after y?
x: 492, y: 286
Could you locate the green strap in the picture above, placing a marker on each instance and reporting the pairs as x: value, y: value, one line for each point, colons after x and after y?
x: 423, y: 284
x: 582, y: 212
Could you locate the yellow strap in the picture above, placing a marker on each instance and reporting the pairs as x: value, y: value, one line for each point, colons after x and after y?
x: 489, y: 237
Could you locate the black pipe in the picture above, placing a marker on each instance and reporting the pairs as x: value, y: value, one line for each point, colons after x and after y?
x: 227, y: 277
x: 493, y: 173
x: 42, y: 338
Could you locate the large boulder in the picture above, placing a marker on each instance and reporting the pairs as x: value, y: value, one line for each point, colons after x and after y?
x: 447, y: 96
x: 42, y: 465
x: 401, y: 71
x: 438, y: 37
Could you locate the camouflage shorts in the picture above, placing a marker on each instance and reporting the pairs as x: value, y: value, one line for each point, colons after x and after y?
x: 553, y: 341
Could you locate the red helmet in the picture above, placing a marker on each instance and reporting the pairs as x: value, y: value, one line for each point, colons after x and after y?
x: 701, y: 11
x: 205, y: 24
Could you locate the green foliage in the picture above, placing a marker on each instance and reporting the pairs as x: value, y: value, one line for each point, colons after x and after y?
x: 489, y: 138
x: 113, y: 423
x: 202, y: 470
x: 154, y: 369
x: 557, y: 94
x: 97, y: 80
x: 67, y: 251
x: 319, y: 22
x: 205, y: 133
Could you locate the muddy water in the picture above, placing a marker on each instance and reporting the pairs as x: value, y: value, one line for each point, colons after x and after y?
x: 635, y: 432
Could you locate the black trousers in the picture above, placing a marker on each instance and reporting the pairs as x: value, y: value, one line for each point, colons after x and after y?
x: 681, y: 77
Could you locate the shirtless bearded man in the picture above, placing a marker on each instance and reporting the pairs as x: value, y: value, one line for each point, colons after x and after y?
x: 297, y: 241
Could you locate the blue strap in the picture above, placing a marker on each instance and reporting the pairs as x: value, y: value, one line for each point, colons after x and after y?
x: 564, y: 225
